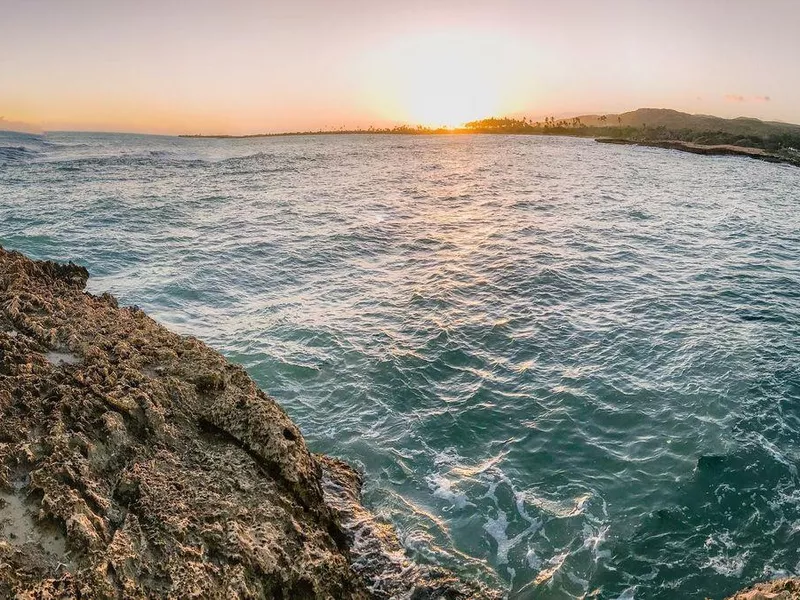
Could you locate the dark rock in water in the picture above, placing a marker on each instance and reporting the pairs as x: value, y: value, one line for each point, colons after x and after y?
x: 780, y: 589
x: 137, y: 463
x: 707, y: 150
x: 711, y: 461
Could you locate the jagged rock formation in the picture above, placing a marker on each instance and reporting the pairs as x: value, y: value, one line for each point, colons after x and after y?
x: 137, y: 463
x: 781, y: 589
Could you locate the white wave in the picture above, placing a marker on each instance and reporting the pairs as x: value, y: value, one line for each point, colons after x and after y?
x: 442, y: 487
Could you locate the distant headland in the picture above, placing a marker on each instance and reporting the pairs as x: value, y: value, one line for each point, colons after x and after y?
x: 659, y: 127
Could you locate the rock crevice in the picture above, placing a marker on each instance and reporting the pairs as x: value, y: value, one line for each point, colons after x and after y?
x: 138, y: 463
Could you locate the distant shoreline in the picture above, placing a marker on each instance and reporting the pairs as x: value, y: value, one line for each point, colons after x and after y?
x: 653, y: 127
x: 683, y: 146
x: 707, y: 150
x: 404, y: 131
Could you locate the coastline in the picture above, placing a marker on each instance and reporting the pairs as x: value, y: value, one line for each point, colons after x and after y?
x: 706, y: 150
x: 669, y: 144
x: 137, y: 463
x: 779, y: 589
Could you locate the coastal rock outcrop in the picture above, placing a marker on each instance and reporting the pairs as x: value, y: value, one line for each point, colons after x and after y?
x: 138, y: 463
x: 780, y: 589
x: 708, y: 150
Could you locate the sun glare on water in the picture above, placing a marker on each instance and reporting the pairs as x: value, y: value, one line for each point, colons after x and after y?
x: 443, y: 79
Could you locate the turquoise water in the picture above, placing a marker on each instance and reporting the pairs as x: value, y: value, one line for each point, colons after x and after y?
x: 567, y: 368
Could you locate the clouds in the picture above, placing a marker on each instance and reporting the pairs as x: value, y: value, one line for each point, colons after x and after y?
x: 7, y: 125
x: 739, y: 98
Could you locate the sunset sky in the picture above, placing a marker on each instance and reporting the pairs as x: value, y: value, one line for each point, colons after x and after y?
x: 244, y: 66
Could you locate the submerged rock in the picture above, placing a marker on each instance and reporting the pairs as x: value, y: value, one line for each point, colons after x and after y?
x: 137, y: 463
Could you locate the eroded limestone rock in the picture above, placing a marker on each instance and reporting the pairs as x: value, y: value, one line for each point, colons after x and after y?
x: 780, y: 589
x: 137, y: 463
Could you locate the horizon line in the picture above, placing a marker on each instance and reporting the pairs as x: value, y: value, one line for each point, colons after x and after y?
x: 360, y: 129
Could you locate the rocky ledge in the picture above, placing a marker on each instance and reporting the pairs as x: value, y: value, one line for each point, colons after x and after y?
x: 709, y: 150
x: 137, y: 463
x: 780, y: 589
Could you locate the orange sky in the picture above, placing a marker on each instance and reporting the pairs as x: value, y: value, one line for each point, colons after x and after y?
x: 254, y: 66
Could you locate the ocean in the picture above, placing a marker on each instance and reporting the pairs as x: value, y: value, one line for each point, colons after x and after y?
x: 568, y: 369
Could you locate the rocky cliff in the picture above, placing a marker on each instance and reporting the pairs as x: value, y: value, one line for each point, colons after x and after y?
x: 780, y: 589
x: 137, y: 463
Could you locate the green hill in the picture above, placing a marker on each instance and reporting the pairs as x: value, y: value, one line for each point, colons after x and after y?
x: 657, y: 124
x: 675, y: 120
x: 646, y: 125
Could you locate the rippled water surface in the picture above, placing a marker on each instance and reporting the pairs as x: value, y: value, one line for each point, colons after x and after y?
x: 567, y: 368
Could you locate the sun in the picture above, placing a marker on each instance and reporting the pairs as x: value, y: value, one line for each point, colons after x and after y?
x: 443, y: 79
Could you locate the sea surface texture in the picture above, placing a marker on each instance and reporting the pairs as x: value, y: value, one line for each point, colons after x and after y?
x: 569, y: 369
